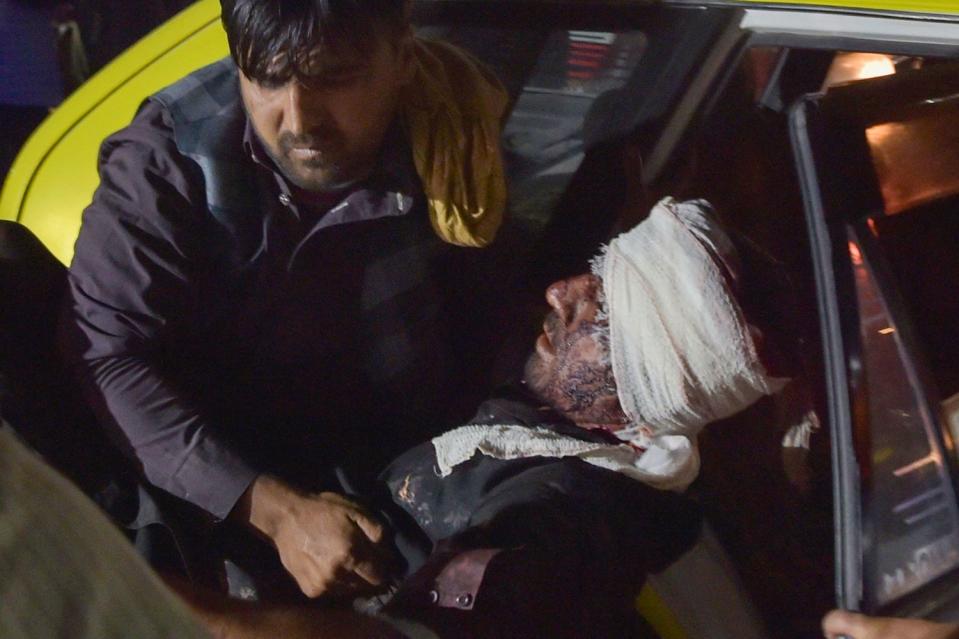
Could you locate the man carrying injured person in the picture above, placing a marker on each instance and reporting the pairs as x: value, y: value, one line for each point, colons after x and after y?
x: 544, y: 521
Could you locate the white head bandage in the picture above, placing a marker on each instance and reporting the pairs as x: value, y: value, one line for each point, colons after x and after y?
x: 681, y: 350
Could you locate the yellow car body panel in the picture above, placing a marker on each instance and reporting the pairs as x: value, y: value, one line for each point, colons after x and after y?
x: 55, y: 174
x: 894, y: 6
x: 658, y: 615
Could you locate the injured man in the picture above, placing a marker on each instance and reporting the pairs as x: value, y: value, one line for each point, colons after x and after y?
x: 542, y: 521
x: 648, y: 348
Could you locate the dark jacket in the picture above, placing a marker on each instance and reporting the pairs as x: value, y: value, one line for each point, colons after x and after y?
x: 537, y: 547
x: 224, y: 330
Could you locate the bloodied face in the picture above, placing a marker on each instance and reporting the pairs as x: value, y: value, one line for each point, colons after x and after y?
x: 570, y: 368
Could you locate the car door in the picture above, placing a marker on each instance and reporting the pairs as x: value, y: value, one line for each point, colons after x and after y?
x: 879, y: 166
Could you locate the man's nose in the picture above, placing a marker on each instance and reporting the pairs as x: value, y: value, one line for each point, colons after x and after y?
x: 302, y: 110
x: 567, y: 296
x: 557, y: 296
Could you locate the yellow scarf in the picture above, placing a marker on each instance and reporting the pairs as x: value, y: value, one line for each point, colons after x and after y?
x: 452, y: 111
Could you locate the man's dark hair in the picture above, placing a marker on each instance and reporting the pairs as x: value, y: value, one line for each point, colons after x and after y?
x: 262, y: 32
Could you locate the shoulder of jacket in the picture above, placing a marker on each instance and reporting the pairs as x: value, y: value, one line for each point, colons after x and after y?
x: 203, y: 93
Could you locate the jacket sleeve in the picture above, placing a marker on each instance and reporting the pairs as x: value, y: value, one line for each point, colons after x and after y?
x: 133, y: 287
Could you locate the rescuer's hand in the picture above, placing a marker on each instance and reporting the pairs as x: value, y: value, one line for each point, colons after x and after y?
x: 329, y: 544
x: 839, y: 623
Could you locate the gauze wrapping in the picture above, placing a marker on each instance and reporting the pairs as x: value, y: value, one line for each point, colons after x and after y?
x: 681, y: 351
x: 505, y: 441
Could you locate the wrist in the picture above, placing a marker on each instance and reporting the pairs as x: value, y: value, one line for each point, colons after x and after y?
x: 268, y: 501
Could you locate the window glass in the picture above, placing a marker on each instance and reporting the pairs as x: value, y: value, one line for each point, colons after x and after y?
x: 920, y: 247
x: 911, y: 528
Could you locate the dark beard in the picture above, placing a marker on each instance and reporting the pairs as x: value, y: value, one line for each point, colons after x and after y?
x: 334, y: 180
x: 583, y: 386
x: 570, y: 385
